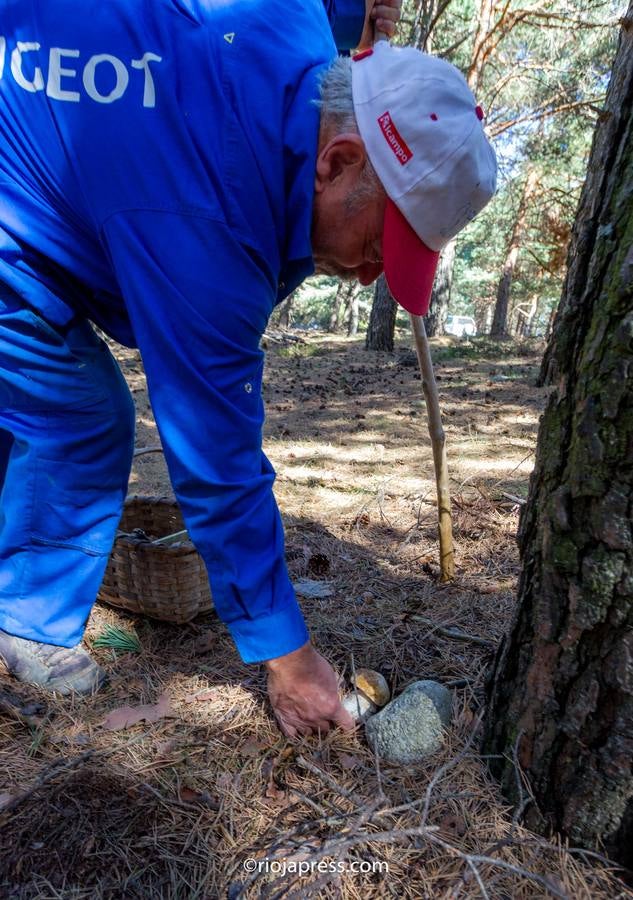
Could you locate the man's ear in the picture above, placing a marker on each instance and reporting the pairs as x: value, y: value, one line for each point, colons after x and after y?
x: 339, y: 159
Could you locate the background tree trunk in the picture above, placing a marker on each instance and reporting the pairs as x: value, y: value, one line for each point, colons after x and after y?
x: 500, y: 318
x: 338, y: 306
x: 352, y: 322
x: 382, y: 321
x: 435, y: 320
x: 561, y: 693
x: 285, y: 311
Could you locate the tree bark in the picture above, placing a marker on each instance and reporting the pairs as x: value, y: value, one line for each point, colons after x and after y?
x: 285, y: 311
x: 500, y: 318
x: 480, y: 53
x: 382, y: 320
x: 561, y: 690
x: 435, y: 319
x: 352, y: 324
x: 338, y: 306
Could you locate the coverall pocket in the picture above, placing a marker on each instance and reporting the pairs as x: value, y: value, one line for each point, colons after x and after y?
x: 73, y: 506
x: 42, y: 369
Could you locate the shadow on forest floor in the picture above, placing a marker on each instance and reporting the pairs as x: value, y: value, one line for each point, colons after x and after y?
x: 174, y: 807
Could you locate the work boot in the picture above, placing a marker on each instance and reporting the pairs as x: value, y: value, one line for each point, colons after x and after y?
x: 60, y: 669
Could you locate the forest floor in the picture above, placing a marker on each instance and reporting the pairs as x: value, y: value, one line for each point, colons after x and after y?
x: 174, y: 806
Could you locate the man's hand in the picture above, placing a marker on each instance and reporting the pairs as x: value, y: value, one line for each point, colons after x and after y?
x: 303, y: 691
x: 380, y: 15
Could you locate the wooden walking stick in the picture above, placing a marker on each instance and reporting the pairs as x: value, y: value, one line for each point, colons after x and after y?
x: 438, y: 443
x: 438, y: 438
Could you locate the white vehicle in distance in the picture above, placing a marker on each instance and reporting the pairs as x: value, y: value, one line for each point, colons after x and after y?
x: 460, y: 326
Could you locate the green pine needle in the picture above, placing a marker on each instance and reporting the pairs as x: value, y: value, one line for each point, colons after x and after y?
x: 116, y: 639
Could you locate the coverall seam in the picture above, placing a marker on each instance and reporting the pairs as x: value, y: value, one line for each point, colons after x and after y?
x: 244, y: 240
x: 31, y: 514
x: 65, y: 545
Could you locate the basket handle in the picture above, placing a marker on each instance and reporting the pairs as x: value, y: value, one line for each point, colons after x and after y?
x: 153, y: 448
x: 169, y: 538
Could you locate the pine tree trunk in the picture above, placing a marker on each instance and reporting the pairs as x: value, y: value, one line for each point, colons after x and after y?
x: 285, y: 311
x: 561, y: 692
x: 382, y: 321
x: 435, y: 320
x: 352, y: 325
x: 480, y: 53
x: 338, y: 306
x: 500, y: 318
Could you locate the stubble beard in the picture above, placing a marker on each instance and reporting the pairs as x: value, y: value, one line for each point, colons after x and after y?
x: 323, y: 249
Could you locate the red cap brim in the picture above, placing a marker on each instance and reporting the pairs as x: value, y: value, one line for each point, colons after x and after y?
x: 409, y: 264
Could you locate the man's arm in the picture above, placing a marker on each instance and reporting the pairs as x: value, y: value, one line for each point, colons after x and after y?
x: 199, y: 303
x: 354, y: 22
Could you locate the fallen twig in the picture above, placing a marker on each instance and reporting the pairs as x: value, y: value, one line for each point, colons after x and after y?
x: 331, y: 782
x: 454, y: 633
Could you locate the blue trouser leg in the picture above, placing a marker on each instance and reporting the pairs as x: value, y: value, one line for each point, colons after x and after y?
x: 66, y: 443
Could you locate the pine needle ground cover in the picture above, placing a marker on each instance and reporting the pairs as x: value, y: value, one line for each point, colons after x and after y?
x: 171, y: 781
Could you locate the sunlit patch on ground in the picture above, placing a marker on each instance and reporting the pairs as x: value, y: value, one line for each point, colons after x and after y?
x: 173, y: 808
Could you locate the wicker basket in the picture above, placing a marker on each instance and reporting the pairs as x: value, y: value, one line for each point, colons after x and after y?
x: 167, y: 582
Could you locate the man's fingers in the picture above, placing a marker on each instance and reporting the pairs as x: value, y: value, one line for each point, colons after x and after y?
x: 385, y: 12
x: 322, y: 725
x: 344, y: 719
x: 295, y: 727
x: 289, y: 730
x: 303, y: 692
x: 385, y: 19
x: 385, y: 27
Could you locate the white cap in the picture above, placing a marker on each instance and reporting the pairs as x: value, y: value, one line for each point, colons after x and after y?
x: 424, y: 135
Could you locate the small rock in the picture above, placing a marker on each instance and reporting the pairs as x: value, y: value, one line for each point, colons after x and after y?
x: 373, y: 685
x: 411, y: 727
x: 440, y: 695
x: 358, y: 706
x: 313, y: 590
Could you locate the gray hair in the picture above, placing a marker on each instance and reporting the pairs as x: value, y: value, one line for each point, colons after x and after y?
x: 336, y: 104
x: 336, y: 101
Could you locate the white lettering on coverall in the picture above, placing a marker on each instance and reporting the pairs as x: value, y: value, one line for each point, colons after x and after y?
x: 59, y: 82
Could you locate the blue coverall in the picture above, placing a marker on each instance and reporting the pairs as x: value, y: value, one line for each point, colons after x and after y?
x: 157, y: 163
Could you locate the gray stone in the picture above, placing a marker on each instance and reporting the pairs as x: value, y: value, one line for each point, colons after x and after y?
x: 411, y: 727
x: 440, y: 695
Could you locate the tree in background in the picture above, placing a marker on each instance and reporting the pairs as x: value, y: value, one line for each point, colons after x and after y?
x: 353, y: 310
x: 285, y: 314
x: 435, y: 319
x: 561, y: 692
x: 340, y: 304
x: 500, y: 317
x: 382, y: 320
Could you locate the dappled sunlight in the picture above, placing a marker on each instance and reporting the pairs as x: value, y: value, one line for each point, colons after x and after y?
x: 185, y: 798
x: 496, y: 465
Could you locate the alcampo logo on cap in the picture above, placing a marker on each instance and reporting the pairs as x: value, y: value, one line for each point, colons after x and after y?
x: 394, y: 139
